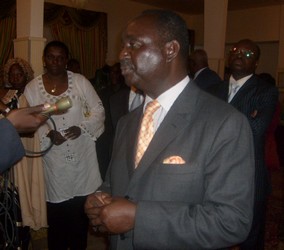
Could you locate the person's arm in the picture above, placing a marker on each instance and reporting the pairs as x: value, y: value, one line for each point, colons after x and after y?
x: 93, y: 124
x: 27, y: 120
x: 11, y: 147
x: 264, y: 105
x: 24, y: 120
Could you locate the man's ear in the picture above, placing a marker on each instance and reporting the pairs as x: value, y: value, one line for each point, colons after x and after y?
x: 256, y: 64
x: 172, y: 50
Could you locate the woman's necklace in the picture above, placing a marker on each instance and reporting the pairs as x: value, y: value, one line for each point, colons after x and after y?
x: 50, y: 82
x: 53, y: 90
x: 56, y: 85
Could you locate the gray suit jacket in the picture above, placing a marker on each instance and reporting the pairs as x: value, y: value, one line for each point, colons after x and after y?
x: 205, y: 203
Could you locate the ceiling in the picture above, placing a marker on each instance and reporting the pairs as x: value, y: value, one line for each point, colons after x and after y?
x: 197, y: 6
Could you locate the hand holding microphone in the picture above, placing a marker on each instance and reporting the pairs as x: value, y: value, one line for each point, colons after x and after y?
x: 27, y: 120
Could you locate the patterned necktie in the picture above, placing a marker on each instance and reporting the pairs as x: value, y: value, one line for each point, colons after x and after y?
x: 146, y: 130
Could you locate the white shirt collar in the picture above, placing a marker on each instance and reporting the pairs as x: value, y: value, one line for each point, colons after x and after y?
x: 239, y: 82
x: 167, y: 98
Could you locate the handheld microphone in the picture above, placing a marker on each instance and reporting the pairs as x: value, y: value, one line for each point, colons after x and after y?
x: 61, y: 105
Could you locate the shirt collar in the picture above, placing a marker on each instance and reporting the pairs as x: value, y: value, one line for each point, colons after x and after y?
x: 239, y: 82
x: 167, y: 98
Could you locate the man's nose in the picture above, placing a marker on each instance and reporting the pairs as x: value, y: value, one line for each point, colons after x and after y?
x: 123, y: 53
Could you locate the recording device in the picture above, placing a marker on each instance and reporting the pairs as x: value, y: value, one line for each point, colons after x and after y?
x: 61, y: 105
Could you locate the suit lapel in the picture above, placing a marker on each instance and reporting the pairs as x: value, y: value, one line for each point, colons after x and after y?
x: 126, y: 101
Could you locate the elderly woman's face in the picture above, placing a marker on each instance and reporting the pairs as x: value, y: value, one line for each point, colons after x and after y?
x: 17, y: 77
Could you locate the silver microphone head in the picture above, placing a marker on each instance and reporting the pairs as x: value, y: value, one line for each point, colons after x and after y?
x: 61, y: 105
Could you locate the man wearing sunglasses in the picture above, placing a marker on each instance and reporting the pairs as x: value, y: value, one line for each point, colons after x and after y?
x: 257, y: 101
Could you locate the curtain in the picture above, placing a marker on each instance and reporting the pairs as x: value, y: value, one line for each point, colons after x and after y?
x: 84, y: 32
x: 7, y: 27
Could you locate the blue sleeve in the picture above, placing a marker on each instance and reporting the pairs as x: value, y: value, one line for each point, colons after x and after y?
x: 11, y: 147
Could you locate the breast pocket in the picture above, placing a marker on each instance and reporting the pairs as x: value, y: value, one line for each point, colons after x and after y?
x: 177, y: 182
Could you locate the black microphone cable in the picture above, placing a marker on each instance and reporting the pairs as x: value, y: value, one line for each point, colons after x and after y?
x: 33, y: 154
x: 9, y: 213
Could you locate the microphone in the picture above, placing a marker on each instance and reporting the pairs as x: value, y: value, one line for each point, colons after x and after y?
x: 61, y: 105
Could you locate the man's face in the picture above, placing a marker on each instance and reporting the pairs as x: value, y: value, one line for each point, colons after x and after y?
x: 142, y: 56
x: 243, y: 59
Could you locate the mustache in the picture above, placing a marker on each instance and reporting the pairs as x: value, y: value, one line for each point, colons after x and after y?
x: 125, y: 63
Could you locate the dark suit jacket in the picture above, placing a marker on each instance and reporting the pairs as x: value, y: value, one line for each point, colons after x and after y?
x: 257, y: 95
x: 196, y: 205
x: 118, y: 105
x: 207, y: 78
x: 11, y: 147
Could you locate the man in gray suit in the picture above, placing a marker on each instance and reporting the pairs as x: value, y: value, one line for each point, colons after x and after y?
x: 193, y: 187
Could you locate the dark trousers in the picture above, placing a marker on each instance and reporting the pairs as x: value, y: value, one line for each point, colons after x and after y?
x: 256, y: 237
x: 67, y: 225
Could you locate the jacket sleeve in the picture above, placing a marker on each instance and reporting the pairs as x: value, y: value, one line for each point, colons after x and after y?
x: 264, y: 103
x: 94, y: 112
x: 11, y: 147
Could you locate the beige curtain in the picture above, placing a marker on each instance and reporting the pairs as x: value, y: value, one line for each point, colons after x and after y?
x: 29, y: 180
x: 7, y: 30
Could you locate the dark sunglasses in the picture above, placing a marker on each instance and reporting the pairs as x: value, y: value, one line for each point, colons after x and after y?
x: 245, y: 52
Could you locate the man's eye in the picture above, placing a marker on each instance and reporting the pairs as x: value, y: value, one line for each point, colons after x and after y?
x: 134, y: 45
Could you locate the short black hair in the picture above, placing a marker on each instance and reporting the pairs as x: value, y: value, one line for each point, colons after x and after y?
x: 170, y: 27
x: 253, y: 44
x: 57, y: 44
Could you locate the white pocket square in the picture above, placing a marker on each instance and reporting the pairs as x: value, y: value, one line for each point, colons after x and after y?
x: 175, y: 159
